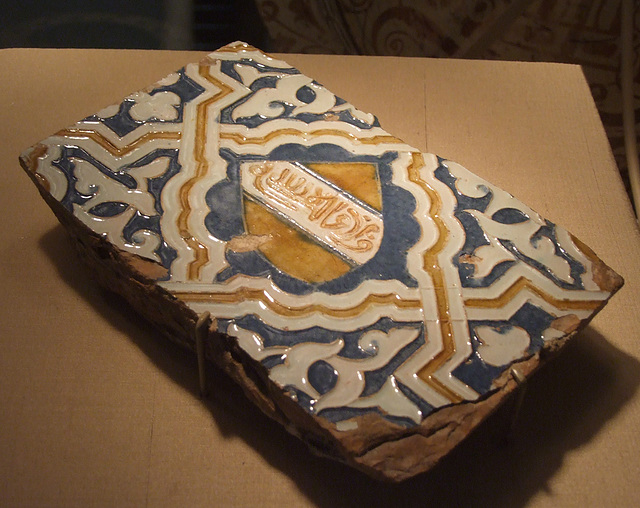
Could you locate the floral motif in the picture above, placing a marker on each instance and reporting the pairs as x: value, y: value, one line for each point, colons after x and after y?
x: 161, y: 106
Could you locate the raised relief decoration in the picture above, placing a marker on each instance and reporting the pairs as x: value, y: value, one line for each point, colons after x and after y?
x: 375, y: 290
x: 333, y: 218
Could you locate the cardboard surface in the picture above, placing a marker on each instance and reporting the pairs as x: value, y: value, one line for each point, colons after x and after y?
x: 97, y: 409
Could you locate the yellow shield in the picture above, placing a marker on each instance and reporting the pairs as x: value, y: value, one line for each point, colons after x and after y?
x: 315, y: 221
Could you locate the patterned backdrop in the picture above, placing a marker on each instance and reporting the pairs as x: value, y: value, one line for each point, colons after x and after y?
x: 584, y: 32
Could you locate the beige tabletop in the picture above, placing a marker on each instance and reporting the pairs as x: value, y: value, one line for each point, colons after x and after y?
x: 97, y: 409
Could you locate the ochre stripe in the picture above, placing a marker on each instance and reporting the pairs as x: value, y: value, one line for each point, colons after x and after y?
x: 110, y: 147
x: 431, y: 265
x: 33, y: 160
x: 245, y: 294
x: 586, y: 250
x: 242, y: 140
x: 520, y: 285
x: 235, y: 48
x: 201, y: 253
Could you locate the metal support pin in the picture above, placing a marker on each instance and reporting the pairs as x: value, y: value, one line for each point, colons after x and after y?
x: 521, y: 380
x: 201, y: 333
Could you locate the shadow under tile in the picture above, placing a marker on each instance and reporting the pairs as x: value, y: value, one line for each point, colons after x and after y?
x: 566, y: 405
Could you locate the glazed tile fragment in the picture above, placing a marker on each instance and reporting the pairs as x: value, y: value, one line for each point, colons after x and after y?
x: 373, y: 289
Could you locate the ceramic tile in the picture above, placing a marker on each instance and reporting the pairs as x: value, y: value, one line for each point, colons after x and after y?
x: 364, y: 275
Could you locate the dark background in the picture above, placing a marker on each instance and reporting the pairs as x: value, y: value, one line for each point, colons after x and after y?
x: 140, y: 24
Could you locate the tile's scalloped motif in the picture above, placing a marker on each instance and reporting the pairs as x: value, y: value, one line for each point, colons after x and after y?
x: 363, y: 275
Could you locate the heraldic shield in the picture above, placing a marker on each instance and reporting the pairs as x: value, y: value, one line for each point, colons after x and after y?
x: 311, y: 218
x: 299, y: 209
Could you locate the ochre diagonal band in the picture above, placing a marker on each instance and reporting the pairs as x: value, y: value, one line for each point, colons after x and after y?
x: 201, y: 253
x: 432, y: 267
